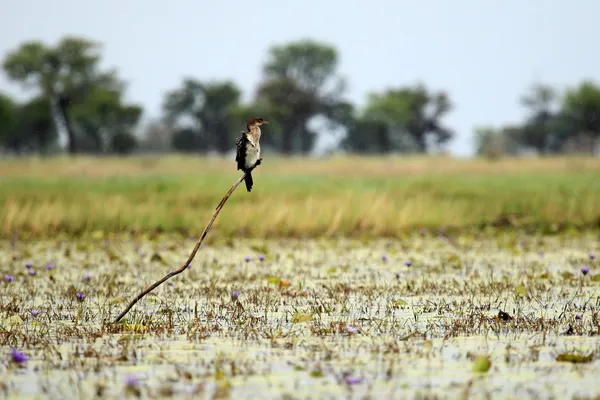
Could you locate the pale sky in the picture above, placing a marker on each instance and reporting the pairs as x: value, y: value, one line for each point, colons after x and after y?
x: 484, y: 53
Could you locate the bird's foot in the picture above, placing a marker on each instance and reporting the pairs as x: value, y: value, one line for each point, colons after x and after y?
x: 258, y: 162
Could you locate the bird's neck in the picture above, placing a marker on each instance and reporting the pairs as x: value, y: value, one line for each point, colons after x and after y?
x: 254, y: 134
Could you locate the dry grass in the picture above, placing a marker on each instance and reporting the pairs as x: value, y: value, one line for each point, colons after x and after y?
x: 376, y: 196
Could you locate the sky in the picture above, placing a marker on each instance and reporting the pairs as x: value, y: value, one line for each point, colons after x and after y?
x: 485, y: 54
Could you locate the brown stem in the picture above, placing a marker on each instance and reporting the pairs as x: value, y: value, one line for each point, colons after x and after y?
x: 192, y: 255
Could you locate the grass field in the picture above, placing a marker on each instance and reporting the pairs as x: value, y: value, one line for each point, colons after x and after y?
x: 376, y: 197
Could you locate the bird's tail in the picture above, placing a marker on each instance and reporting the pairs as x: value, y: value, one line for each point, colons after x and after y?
x: 248, y: 180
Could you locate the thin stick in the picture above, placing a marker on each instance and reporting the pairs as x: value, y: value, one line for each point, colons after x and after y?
x: 190, y: 258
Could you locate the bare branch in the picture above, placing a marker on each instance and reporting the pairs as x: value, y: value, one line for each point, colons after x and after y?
x: 191, y: 256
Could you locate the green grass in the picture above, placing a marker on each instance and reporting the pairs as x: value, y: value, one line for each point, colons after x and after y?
x: 374, y: 196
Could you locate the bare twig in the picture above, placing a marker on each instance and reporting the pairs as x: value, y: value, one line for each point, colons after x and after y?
x: 191, y: 256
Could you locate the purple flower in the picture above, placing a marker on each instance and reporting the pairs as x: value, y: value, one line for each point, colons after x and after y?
x: 9, y: 278
x: 408, y: 263
x: 262, y: 258
x: 189, y: 266
x: 592, y: 256
x: 247, y: 259
x: 80, y: 296
x: 384, y: 258
x: 49, y: 267
x: 28, y: 265
x: 87, y: 277
x: 352, y: 381
x: 578, y: 316
x: 34, y: 312
x: 352, y: 329
x: 31, y: 272
x: 235, y: 295
x: 18, y: 357
x: 132, y: 385
x: 585, y: 270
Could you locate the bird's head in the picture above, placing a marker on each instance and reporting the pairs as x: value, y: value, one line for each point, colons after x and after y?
x: 256, y: 122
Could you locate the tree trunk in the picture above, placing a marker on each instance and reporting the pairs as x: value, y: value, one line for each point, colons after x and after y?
x: 63, y: 108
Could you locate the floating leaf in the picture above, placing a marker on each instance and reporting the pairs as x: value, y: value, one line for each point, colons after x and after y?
x: 401, y: 303
x: 453, y: 259
x: 118, y: 300
x: 135, y: 328
x: 520, y: 290
x: 317, y: 373
x: 567, y: 275
x: 596, y: 278
x: 575, y: 358
x: 482, y: 364
x: 332, y: 270
x: 98, y: 234
x: 301, y: 317
x: 274, y: 280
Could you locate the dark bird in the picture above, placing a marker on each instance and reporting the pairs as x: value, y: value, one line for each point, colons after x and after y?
x: 248, y: 149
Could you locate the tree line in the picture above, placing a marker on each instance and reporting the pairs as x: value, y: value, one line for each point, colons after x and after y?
x: 300, y: 84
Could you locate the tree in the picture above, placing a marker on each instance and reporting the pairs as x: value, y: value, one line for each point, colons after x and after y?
x: 581, y: 111
x: 496, y: 143
x: 26, y: 127
x: 409, y: 111
x: 106, y: 120
x: 64, y: 74
x: 539, y: 131
x: 8, y: 117
x: 300, y: 82
x: 208, y: 109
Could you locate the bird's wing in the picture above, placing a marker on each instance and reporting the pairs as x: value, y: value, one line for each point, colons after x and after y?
x: 240, y: 154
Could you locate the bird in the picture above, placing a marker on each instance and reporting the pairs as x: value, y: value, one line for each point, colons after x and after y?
x: 248, y: 149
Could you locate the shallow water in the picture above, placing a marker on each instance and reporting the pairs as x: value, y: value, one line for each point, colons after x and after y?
x: 378, y: 325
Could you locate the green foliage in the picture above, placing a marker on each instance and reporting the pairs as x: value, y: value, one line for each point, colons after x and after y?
x: 123, y: 143
x: 300, y: 82
x: 557, y: 123
x: 187, y: 141
x: 26, y: 127
x: 106, y: 120
x: 8, y: 117
x: 411, y: 117
x: 84, y: 97
x: 210, y: 108
x: 300, y: 88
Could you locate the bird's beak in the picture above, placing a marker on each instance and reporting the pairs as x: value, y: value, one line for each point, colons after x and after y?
x: 265, y: 122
